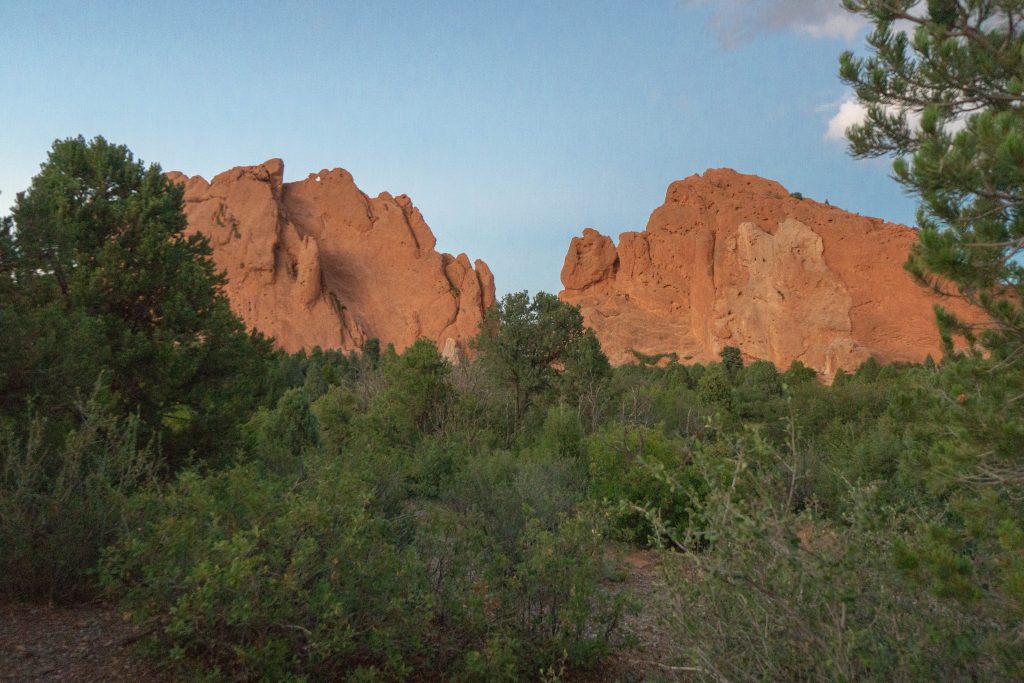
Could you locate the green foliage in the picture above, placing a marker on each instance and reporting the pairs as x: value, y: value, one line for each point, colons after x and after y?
x: 104, y: 280
x: 640, y: 472
x: 279, y: 437
x: 335, y: 412
x: 509, y: 617
x: 782, y: 596
x: 798, y: 373
x: 586, y: 375
x: 536, y: 562
x: 760, y: 389
x: 966, y: 447
x: 250, y: 575
x: 522, y: 342
x: 371, y: 351
x: 732, y: 361
x: 959, y: 68
x: 414, y: 398
x: 61, y: 505
x: 504, y: 491
x: 257, y: 575
x: 715, y: 387
x: 562, y: 434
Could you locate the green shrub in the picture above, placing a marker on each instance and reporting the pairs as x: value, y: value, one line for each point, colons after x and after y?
x: 553, y: 600
x: 715, y: 388
x: 964, y: 451
x: 635, y: 469
x: 59, y: 506
x: 505, y: 491
x: 414, y: 400
x: 782, y: 596
x: 732, y: 361
x: 507, y: 618
x: 348, y: 573
x: 279, y: 437
x: 335, y: 411
x: 798, y: 373
x: 250, y: 576
x: 562, y: 433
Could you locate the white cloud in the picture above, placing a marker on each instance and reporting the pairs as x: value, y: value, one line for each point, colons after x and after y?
x: 850, y: 112
x: 839, y: 25
x: 736, y: 21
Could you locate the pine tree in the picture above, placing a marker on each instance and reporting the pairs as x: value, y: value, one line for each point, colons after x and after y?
x: 957, y: 68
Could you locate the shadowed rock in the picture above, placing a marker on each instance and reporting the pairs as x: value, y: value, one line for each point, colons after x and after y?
x: 319, y: 263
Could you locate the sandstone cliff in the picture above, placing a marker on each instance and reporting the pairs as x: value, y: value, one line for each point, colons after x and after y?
x: 734, y: 260
x: 319, y: 263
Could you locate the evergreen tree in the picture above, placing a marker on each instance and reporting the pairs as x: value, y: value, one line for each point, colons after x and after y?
x: 732, y: 360
x: 522, y: 342
x: 415, y: 395
x: 957, y: 66
x: 104, y: 283
x: 715, y: 388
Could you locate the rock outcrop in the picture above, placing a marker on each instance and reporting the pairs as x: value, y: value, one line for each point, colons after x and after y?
x: 735, y: 260
x: 319, y: 263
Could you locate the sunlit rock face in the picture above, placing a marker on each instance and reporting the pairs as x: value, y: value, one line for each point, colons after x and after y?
x: 319, y: 263
x: 735, y: 260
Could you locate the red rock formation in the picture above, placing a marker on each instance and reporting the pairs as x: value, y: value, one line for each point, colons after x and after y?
x: 318, y: 263
x: 734, y: 260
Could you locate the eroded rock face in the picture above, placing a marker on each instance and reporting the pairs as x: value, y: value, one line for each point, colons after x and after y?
x: 734, y: 260
x: 319, y: 263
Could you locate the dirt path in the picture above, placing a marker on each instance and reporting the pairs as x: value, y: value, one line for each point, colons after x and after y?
x: 80, y: 644
x: 648, y: 652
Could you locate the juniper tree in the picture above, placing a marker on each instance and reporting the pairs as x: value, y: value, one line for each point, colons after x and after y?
x: 524, y: 342
x: 104, y: 283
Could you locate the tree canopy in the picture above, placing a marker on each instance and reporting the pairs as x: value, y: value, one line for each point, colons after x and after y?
x: 104, y: 285
x: 526, y: 342
x: 943, y: 86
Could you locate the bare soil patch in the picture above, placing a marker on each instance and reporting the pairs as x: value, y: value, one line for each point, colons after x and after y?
x: 82, y: 643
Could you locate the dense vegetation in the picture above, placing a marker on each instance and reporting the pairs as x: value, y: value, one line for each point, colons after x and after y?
x: 383, y: 515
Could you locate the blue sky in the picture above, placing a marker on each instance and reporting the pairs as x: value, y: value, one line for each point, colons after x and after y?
x: 512, y: 125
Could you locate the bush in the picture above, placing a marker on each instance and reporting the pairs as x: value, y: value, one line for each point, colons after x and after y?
x: 60, y: 506
x: 335, y: 411
x: 504, y: 491
x: 562, y: 433
x: 245, y: 574
x: 715, y: 388
x: 278, y: 438
x: 508, y: 618
x: 638, y: 470
x: 248, y: 574
x: 782, y: 596
x: 415, y: 395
